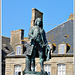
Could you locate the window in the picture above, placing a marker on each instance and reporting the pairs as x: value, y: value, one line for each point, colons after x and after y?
x: 62, y: 48
x: 61, y: 69
x: 18, y: 52
x: 47, y: 68
x: 17, y: 70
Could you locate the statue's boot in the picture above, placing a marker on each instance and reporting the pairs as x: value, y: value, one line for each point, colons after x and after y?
x: 33, y: 65
x: 41, y: 64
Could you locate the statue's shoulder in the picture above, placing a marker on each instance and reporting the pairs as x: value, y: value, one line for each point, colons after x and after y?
x: 31, y: 27
x: 34, y: 28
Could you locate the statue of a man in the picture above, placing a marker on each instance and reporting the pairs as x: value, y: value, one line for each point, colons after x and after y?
x: 39, y: 44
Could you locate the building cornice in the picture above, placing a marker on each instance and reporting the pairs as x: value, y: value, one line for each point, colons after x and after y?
x: 15, y: 56
x: 62, y: 55
x: 53, y: 55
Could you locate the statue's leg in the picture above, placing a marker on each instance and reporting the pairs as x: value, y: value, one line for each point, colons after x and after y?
x: 33, y: 61
x: 33, y: 64
x: 41, y: 59
x: 28, y: 63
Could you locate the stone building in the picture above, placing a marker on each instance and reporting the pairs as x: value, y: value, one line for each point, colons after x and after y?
x: 8, y: 44
x: 60, y: 40
x: 6, y: 49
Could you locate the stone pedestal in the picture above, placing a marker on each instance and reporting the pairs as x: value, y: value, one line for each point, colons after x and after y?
x: 34, y: 73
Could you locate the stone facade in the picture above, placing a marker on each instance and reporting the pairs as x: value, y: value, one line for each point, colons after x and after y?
x: 22, y: 48
x: 68, y: 60
x: 10, y: 64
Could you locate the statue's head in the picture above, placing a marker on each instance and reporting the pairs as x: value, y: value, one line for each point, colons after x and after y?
x: 38, y: 22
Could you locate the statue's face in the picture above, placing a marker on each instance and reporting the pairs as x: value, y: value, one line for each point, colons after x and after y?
x: 39, y: 22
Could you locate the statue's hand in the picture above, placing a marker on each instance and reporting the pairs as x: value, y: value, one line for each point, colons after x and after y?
x: 42, y: 45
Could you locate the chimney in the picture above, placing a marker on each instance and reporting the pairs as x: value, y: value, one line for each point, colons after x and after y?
x: 71, y: 17
x: 35, y: 14
x: 16, y: 37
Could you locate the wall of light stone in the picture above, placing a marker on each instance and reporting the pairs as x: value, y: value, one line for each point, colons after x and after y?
x: 54, y: 61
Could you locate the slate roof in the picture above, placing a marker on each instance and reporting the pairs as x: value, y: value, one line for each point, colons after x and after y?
x: 13, y: 53
x: 6, y: 47
x: 60, y: 34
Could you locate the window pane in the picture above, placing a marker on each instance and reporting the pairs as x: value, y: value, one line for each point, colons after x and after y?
x: 16, y: 73
x: 61, y: 69
x: 47, y: 68
x: 48, y: 73
x: 59, y: 73
x: 63, y: 72
x: 62, y: 48
x: 18, y: 50
x: 17, y: 70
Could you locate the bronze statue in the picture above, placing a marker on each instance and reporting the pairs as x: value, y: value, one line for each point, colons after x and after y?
x: 37, y: 47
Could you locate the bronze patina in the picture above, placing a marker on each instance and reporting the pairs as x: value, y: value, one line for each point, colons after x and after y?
x: 38, y: 46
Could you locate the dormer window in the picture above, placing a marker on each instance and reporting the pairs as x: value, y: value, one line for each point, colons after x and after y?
x: 62, y: 48
x: 19, y: 49
x: 18, y: 52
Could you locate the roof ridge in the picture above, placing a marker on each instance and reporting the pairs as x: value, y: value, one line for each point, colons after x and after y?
x: 6, y: 37
x: 58, y: 25
x: 10, y: 53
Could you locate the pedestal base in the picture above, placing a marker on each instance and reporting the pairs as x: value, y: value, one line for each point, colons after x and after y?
x: 34, y: 73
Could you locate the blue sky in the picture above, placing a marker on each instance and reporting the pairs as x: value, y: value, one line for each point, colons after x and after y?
x: 16, y: 14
